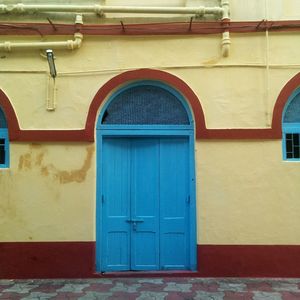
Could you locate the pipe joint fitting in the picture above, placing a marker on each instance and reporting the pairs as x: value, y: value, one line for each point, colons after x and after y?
x: 7, y: 46
x: 18, y: 8
x: 225, y: 8
x: 99, y: 10
x: 200, y: 12
x: 2, y: 9
x: 79, y: 19
x: 70, y: 44
x: 76, y: 44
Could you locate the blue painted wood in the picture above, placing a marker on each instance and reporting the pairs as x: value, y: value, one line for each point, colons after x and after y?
x: 158, y: 168
x: 175, y: 200
x: 145, y: 203
x: 115, y: 198
x: 291, y: 121
x: 143, y: 132
x: 4, y: 142
x: 4, y: 146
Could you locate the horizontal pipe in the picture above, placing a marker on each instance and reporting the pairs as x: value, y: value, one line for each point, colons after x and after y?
x: 8, y: 46
x: 100, y: 9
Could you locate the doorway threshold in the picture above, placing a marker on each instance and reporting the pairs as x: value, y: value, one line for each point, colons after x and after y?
x: 145, y: 274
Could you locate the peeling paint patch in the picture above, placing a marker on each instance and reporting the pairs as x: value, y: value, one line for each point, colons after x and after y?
x: 212, y: 61
x: 78, y: 175
x: 44, y: 171
x: 35, y: 160
x: 25, y: 162
x: 39, y: 159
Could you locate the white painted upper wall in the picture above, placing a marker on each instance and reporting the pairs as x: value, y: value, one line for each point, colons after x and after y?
x: 241, y: 10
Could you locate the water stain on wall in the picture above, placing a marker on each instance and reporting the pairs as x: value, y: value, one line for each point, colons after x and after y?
x: 25, y: 162
x: 78, y: 175
x: 30, y: 160
x: 211, y: 62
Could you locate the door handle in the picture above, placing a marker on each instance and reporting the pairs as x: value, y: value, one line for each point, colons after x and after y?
x: 137, y: 220
x: 134, y: 223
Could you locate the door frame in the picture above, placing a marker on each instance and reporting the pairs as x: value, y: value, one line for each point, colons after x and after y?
x: 143, y: 131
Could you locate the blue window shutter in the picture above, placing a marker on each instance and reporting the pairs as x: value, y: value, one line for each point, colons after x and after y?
x: 4, y: 142
x: 291, y: 128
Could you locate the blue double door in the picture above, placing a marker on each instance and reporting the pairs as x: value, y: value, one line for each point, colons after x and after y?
x: 145, y: 204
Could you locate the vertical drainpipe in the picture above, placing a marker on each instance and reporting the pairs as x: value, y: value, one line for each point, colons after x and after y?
x: 51, y: 83
x: 225, y: 23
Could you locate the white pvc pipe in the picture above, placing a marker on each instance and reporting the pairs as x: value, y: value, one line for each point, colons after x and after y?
x: 51, y: 94
x: 100, y: 9
x: 8, y: 46
x: 225, y: 8
x: 225, y: 44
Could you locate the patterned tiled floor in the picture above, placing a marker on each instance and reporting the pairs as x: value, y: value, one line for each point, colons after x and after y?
x: 151, y: 289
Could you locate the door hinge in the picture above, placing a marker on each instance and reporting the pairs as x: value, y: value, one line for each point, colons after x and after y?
x: 102, y: 199
x: 188, y: 199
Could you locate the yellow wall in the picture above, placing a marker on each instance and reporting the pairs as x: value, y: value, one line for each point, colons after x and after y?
x: 48, y: 193
x: 238, y: 88
x: 246, y: 194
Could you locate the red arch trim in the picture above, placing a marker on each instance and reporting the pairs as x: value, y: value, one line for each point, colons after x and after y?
x: 147, y: 74
x: 87, y: 134
x: 201, y: 131
x: 12, y: 121
x: 18, y: 134
x: 282, y: 99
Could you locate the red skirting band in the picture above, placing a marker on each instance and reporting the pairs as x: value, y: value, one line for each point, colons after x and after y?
x: 77, y: 260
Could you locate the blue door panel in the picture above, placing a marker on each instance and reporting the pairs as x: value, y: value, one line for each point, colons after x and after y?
x: 145, y: 211
x: 116, y: 187
x: 144, y: 203
x: 174, y: 201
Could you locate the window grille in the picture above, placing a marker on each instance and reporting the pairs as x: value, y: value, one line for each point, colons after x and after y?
x: 292, y: 113
x: 2, y: 119
x: 4, y: 143
x: 291, y: 129
x: 2, y: 151
x: 146, y: 105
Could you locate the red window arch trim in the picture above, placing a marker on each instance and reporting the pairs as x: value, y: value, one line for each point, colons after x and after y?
x: 87, y: 134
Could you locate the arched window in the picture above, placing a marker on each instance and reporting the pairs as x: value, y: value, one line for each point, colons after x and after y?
x: 291, y: 127
x: 146, y: 103
x: 4, y: 144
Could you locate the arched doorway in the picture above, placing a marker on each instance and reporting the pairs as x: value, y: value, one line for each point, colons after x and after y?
x: 146, y: 215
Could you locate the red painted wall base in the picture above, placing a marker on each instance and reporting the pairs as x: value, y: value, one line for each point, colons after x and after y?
x: 47, y: 260
x: 77, y: 260
x: 249, y: 261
